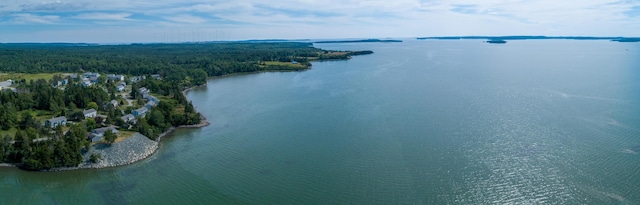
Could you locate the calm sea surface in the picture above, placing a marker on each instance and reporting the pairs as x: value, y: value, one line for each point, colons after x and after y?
x: 419, y: 122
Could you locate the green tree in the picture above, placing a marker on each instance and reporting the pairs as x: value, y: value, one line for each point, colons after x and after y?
x: 92, y: 105
x: 90, y: 123
x: 95, y: 157
x: 110, y: 137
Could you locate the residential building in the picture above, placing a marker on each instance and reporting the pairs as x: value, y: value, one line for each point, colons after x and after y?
x: 129, y: 118
x: 6, y: 83
x: 140, y: 112
x: 86, y: 82
x: 156, y: 76
x: 114, y: 77
x: 55, y: 122
x: 93, y: 79
x: 96, y: 135
x: 150, y: 104
x: 114, y: 103
x: 90, y: 75
x: 90, y: 113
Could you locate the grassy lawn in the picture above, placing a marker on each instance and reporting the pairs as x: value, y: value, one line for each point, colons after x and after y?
x: 27, y: 76
x: 122, y: 135
x: 11, y: 132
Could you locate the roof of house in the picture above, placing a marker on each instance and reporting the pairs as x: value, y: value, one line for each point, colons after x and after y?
x: 151, y: 103
x: 5, y: 83
x: 142, y: 110
x: 128, y: 117
x: 89, y: 111
x: 57, y: 119
x: 104, y: 129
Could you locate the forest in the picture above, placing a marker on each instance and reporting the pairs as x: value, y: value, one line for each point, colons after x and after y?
x: 176, y: 61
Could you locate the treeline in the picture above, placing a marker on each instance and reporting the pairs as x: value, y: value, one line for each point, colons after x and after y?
x: 176, y: 61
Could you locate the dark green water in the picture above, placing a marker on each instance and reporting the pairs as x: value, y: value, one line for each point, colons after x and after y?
x: 419, y: 122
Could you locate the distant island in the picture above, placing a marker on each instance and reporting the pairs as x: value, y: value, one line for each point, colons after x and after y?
x: 496, y: 41
x: 490, y: 38
x: 361, y: 41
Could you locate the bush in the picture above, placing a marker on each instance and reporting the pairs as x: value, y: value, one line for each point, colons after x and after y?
x: 95, y: 157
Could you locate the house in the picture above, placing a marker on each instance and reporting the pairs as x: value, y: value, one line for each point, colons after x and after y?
x: 94, y: 138
x: 86, y: 82
x: 156, y: 76
x: 114, y: 103
x: 6, y: 83
x: 93, y: 79
x: 136, y: 79
x: 90, y: 75
x: 144, y: 92
x: 97, y: 134
x: 55, y: 122
x: 153, y: 99
x: 140, y: 112
x: 150, y: 104
x: 114, y: 77
x: 65, y: 81
x: 120, y: 88
x: 90, y: 113
x: 129, y: 118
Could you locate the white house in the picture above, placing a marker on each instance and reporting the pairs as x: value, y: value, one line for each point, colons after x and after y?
x: 90, y: 113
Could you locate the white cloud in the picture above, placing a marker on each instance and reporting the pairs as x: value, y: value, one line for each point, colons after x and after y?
x: 25, y: 18
x: 105, y: 16
x: 185, y: 18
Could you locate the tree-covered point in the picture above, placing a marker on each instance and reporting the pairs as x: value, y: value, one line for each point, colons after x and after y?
x: 178, y: 62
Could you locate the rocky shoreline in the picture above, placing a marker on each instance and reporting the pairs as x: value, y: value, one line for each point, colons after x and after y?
x: 128, y: 151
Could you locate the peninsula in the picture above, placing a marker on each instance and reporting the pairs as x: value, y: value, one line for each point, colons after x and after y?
x: 70, y: 106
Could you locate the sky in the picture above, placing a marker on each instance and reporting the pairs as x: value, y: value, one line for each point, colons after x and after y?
x: 123, y: 21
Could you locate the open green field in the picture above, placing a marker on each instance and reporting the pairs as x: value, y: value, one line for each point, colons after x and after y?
x: 284, y: 64
x: 11, y: 132
x: 27, y: 76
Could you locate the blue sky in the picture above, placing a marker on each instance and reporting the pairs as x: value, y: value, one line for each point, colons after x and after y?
x: 115, y: 21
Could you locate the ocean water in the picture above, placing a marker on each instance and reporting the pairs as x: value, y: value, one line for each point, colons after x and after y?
x: 418, y: 122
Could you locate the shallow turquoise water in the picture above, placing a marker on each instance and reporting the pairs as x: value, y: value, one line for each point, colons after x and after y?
x: 419, y: 122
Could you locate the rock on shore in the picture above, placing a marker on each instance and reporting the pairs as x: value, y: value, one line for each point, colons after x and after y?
x: 130, y: 150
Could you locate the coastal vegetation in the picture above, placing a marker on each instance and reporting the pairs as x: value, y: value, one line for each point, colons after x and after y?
x: 45, y: 86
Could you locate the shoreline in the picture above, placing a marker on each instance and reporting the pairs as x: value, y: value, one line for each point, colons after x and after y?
x: 131, y: 150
